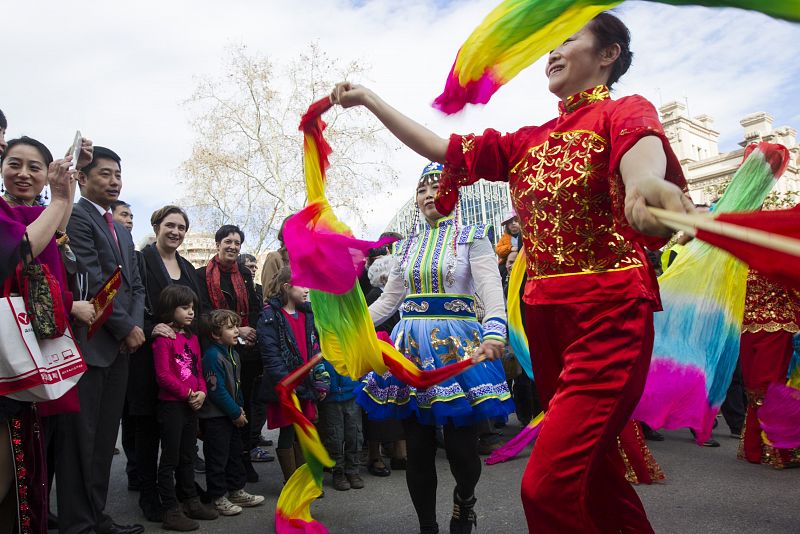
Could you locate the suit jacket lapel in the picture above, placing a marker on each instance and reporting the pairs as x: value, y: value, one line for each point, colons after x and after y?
x: 127, y: 264
x: 101, y: 223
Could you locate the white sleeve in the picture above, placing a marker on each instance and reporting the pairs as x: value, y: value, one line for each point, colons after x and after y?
x: 489, y: 287
x: 393, y: 294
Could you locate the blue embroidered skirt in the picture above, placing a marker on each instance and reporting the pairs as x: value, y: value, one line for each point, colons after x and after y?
x: 438, y: 330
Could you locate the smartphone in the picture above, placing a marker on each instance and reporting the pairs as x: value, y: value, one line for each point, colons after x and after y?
x: 76, y: 150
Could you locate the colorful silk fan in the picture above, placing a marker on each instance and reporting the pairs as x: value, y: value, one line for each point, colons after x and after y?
x: 515, y: 445
x: 518, y: 32
x: 697, y: 335
x: 516, y: 330
x: 779, y: 415
x: 293, y: 513
x: 768, y: 241
x: 326, y: 258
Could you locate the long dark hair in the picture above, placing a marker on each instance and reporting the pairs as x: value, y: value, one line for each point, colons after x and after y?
x: 171, y: 298
x: 609, y: 30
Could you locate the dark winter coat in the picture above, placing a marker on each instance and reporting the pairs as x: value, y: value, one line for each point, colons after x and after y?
x: 279, y: 350
x: 142, y: 387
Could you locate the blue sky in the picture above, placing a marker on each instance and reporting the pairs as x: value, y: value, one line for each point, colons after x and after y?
x: 121, y: 72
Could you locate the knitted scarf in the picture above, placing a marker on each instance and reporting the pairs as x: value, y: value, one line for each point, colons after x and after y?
x: 213, y: 270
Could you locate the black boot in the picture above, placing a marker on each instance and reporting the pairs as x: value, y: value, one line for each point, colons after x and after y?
x: 464, y: 517
x: 152, y: 509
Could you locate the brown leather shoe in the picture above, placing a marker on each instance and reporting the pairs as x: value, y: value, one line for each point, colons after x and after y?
x: 340, y: 482
x: 355, y: 480
x: 176, y: 520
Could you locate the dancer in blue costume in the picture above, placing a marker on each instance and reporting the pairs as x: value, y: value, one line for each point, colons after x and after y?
x: 438, y: 271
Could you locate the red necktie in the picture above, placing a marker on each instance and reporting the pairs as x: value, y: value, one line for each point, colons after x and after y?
x: 110, y: 222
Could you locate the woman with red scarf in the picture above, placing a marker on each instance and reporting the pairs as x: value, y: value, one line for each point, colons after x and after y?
x: 226, y: 285
x: 581, y: 184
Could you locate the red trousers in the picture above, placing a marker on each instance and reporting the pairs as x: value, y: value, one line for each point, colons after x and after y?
x: 765, y: 359
x: 590, y: 364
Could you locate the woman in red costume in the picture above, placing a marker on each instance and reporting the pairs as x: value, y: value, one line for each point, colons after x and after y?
x: 581, y: 184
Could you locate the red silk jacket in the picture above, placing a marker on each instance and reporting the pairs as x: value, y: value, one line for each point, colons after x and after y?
x: 568, y: 192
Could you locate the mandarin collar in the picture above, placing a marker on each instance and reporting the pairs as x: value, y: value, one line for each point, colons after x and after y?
x: 583, y: 98
x: 444, y: 221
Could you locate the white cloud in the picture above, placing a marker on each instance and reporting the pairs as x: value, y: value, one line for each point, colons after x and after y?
x: 120, y: 73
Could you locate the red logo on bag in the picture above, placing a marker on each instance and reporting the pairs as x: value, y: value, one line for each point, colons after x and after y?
x: 23, y: 318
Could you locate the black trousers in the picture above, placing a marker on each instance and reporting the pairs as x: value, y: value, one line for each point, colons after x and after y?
x: 86, y: 443
x: 733, y: 409
x: 147, y: 436
x: 129, y: 443
x: 178, y: 424
x: 525, y: 398
x: 222, y: 449
x: 257, y: 415
x: 461, y: 446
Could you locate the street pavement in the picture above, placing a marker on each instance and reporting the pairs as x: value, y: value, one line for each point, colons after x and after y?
x: 707, y: 491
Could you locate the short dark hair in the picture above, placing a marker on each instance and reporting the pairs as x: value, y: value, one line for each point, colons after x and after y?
x: 244, y: 258
x: 609, y: 30
x: 213, y: 322
x: 171, y: 297
x: 30, y: 141
x: 226, y: 230
x: 101, y: 152
x: 3, y: 121
x: 160, y: 214
x: 117, y: 203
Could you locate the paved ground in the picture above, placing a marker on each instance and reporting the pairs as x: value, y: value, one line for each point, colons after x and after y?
x: 707, y: 490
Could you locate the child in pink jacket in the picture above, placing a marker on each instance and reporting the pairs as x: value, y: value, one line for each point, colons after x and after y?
x: 182, y: 391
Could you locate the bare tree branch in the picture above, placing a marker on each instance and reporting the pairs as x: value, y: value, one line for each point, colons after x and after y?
x: 246, y: 166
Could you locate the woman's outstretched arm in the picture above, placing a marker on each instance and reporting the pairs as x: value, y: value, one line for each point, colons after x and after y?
x: 411, y: 133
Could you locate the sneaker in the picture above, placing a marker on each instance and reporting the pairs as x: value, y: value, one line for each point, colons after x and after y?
x: 340, y: 482
x: 355, y: 480
x: 260, y: 454
x: 244, y: 499
x: 226, y: 507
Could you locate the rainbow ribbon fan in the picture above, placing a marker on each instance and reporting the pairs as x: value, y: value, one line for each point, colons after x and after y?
x: 326, y: 258
x: 518, y: 32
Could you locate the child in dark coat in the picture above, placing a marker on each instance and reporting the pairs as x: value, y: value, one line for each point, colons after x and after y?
x: 287, y: 339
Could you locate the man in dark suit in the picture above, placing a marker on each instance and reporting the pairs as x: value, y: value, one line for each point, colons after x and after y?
x: 87, y: 438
